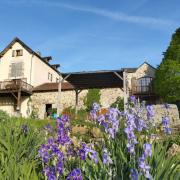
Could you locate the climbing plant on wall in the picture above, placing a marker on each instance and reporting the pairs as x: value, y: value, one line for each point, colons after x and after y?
x: 93, y: 95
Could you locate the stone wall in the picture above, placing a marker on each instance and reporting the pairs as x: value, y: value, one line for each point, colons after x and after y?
x: 172, y: 113
x: 39, y: 100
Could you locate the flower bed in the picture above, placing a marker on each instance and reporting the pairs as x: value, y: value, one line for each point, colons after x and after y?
x: 130, y: 146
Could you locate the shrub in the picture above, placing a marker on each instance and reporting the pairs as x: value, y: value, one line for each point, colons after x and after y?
x: 81, y: 114
x: 93, y: 95
x: 119, y: 103
x: 18, y: 150
x: 4, y: 116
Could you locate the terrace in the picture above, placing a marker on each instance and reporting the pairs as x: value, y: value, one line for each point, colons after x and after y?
x: 146, y: 90
x: 142, y: 86
x: 16, y: 88
x: 15, y: 85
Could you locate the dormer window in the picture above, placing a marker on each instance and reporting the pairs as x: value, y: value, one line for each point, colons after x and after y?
x: 50, y: 77
x: 16, y: 53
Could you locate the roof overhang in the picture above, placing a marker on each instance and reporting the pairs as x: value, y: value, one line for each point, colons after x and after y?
x: 95, y: 79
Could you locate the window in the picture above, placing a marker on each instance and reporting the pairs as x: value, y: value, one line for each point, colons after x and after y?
x: 16, y: 70
x: 50, y: 77
x: 18, y: 52
x: 144, y: 84
x: 57, y: 80
x: 144, y: 81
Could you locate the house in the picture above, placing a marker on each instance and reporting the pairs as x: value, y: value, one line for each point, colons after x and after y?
x: 28, y: 83
x: 21, y: 69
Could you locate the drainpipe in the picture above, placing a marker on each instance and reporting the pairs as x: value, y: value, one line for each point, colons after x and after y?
x: 31, y: 69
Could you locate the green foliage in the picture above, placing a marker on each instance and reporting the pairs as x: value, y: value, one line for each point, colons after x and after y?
x: 18, y: 151
x: 81, y: 114
x: 93, y: 96
x: 167, y: 77
x: 34, y: 113
x: 119, y: 103
x: 164, y: 166
x: 3, y: 116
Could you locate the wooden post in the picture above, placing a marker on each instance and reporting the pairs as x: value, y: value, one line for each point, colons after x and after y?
x: 76, y: 102
x: 61, y: 80
x: 59, y: 96
x: 125, y: 88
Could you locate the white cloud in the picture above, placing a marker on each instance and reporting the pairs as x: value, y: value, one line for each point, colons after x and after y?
x: 117, y: 16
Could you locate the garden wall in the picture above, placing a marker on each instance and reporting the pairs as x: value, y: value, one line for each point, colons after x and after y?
x: 172, y: 112
x: 40, y: 99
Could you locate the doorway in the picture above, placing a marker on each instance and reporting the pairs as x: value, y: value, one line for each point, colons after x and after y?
x: 48, y: 110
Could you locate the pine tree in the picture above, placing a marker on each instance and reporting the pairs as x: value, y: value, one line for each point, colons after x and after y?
x: 167, y: 77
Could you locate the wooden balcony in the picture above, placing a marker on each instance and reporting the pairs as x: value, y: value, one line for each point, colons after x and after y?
x: 15, y: 85
x: 142, y: 90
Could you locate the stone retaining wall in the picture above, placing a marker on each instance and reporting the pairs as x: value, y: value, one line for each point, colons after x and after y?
x: 172, y: 112
x: 39, y: 100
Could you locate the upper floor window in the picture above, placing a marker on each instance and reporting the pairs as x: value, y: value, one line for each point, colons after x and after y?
x: 50, y: 77
x: 144, y: 81
x: 57, y: 80
x: 16, y: 70
x: 18, y: 52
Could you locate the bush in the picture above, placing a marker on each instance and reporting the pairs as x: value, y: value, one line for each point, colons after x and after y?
x: 119, y: 103
x: 18, y: 150
x: 93, y: 96
x: 4, y: 116
x: 81, y: 114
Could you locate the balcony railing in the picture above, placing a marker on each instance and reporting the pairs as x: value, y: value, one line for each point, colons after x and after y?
x: 142, y: 90
x: 15, y: 85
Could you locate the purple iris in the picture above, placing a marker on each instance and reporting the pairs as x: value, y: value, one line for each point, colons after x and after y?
x: 131, y: 148
x: 144, y: 167
x: 49, y: 173
x: 140, y: 124
x: 106, y: 157
x: 94, y: 111
x: 86, y: 151
x: 59, y: 167
x: 93, y: 156
x: 75, y: 174
x: 166, y: 106
x: 48, y: 128
x: 133, y: 99
x: 129, y: 132
x: 101, y: 119
x: 63, y: 138
x: 52, y: 157
x: 43, y: 153
x: 147, y: 150
x: 167, y: 130
x: 96, y: 107
x: 134, y: 174
x: 166, y: 124
x: 150, y: 111
x: 25, y: 128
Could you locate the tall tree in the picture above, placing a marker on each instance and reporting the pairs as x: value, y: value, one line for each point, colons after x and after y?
x: 167, y: 77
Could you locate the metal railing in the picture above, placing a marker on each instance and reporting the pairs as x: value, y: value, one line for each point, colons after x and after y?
x: 142, y: 90
x: 15, y: 84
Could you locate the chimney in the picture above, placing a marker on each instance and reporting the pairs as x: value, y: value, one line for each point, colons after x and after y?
x: 39, y: 53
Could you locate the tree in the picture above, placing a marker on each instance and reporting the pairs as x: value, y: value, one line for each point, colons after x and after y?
x: 167, y: 76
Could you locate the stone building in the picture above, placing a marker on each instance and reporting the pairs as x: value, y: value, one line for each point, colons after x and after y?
x: 28, y: 82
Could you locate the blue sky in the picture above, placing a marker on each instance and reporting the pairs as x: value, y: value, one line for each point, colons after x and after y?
x: 92, y: 34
